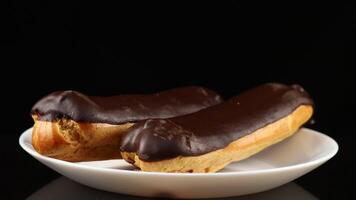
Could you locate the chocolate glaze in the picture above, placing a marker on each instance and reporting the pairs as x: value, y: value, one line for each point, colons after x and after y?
x: 215, y: 127
x: 124, y: 108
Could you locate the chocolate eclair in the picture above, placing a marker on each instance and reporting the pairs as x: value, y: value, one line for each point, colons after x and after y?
x: 210, y: 139
x: 74, y: 127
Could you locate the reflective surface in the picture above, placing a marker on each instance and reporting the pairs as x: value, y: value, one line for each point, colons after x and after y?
x: 63, y: 188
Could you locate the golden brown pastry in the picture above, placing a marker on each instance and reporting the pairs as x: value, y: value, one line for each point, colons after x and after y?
x: 74, y: 127
x: 208, y: 140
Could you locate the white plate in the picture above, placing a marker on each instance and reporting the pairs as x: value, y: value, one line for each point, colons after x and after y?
x: 271, y: 168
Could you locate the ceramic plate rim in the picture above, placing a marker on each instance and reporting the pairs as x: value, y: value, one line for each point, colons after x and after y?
x: 335, y: 148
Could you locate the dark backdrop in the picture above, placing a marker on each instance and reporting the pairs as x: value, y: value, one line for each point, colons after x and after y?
x: 146, y: 47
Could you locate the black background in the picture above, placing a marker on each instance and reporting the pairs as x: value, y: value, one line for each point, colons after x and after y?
x: 146, y: 47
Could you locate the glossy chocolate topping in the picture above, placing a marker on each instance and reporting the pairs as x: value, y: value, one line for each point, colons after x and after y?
x: 124, y: 108
x: 215, y: 127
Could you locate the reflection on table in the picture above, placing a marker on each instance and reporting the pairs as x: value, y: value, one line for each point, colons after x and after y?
x: 64, y: 188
